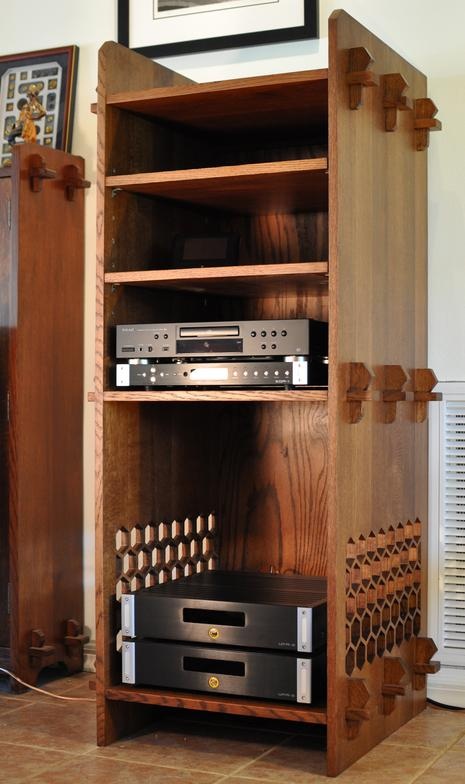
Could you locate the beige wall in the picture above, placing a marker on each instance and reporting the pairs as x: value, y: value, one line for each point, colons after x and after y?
x: 427, y: 33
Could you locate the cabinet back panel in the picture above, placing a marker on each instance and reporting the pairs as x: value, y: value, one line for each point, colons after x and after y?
x: 170, y: 461
x: 142, y: 231
x: 152, y: 145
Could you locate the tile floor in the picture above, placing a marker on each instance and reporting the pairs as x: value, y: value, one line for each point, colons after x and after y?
x: 49, y: 741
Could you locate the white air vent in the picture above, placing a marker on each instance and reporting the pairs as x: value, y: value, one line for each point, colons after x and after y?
x: 447, y: 543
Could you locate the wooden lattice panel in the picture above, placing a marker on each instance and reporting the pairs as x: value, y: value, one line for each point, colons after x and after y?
x: 151, y: 554
x: 383, y: 597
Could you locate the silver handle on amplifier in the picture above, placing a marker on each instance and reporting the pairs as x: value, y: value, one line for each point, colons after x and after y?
x: 304, y: 629
x: 303, y: 677
x: 128, y: 618
x: 129, y: 662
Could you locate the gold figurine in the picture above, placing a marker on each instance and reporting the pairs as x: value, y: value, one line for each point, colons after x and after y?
x: 30, y: 110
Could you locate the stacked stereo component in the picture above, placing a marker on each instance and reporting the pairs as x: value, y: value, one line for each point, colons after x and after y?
x: 266, y: 353
x: 248, y: 634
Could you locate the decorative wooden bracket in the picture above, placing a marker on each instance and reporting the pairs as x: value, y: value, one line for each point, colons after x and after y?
x: 392, y: 380
x: 358, y: 76
x: 73, y: 181
x: 425, y: 121
x: 38, y: 651
x: 356, y: 711
x: 394, y: 671
x: 423, y: 381
x: 360, y: 379
x: 74, y: 642
x: 394, y: 100
x: 423, y: 666
x: 38, y: 172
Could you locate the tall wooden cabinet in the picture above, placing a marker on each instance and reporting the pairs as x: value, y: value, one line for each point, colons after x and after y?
x: 323, y: 175
x: 41, y: 388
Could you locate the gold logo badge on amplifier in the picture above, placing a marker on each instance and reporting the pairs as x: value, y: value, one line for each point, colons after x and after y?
x: 213, y: 682
x: 213, y: 633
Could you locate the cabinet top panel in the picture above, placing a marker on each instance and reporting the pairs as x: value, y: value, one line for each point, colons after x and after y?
x: 290, y: 100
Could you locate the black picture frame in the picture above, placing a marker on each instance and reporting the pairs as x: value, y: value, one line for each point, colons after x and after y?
x: 24, y: 68
x: 309, y: 29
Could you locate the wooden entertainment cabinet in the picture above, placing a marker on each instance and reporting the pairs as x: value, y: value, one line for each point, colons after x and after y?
x: 323, y: 175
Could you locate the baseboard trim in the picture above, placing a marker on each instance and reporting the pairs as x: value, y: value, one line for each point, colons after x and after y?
x: 89, y: 657
x: 448, y: 687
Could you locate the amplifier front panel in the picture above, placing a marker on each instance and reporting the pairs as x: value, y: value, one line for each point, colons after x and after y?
x: 274, y: 627
x: 274, y: 676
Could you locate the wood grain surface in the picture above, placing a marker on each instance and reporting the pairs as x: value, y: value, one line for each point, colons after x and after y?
x: 46, y: 279
x: 377, y: 307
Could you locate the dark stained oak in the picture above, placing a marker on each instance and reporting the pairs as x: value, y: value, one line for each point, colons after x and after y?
x: 42, y: 304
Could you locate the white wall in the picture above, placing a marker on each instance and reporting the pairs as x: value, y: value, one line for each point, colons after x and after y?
x: 428, y: 33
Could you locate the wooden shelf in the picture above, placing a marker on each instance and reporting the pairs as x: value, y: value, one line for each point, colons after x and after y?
x: 245, y: 281
x: 279, y: 186
x: 219, y: 396
x: 291, y: 100
x: 218, y: 704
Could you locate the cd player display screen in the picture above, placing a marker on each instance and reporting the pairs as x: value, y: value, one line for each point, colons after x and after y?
x: 209, y: 346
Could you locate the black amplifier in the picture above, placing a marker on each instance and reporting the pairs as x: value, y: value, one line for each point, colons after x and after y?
x: 253, y: 610
x: 240, y: 339
x: 274, y: 676
x: 294, y: 372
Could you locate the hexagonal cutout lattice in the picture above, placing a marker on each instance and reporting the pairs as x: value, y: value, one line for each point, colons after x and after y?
x: 383, y: 598
x: 155, y: 553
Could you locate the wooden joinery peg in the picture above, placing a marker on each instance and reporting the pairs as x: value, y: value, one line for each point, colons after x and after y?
x: 38, y: 172
x: 393, y: 99
x: 73, y: 181
x: 425, y: 649
x: 425, y: 121
x: 394, y: 671
x: 392, y: 380
x: 358, y: 392
x: 358, y: 75
x: 356, y: 712
x: 39, y: 652
x: 423, y: 381
x: 74, y: 642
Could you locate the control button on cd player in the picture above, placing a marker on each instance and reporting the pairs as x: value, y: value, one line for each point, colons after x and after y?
x: 253, y: 334
x: 263, y: 333
x: 284, y: 332
x: 263, y: 345
x: 273, y: 333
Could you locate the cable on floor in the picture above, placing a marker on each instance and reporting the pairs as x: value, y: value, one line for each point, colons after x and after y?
x: 43, y: 691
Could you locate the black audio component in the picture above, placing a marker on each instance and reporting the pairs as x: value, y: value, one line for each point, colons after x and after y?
x: 254, y: 610
x: 205, y: 251
x: 292, y: 373
x: 275, y: 676
x: 241, y: 339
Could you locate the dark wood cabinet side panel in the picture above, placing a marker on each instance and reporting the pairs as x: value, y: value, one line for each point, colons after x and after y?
x: 48, y: 399
x: 5, y: 328
x: 377, y: 299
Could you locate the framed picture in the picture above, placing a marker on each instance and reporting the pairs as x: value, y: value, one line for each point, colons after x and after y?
x: 47, y: 80
x: 159, y: 28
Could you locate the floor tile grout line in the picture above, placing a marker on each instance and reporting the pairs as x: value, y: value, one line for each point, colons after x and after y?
x: 255, y: 759
x: 435, y: 759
